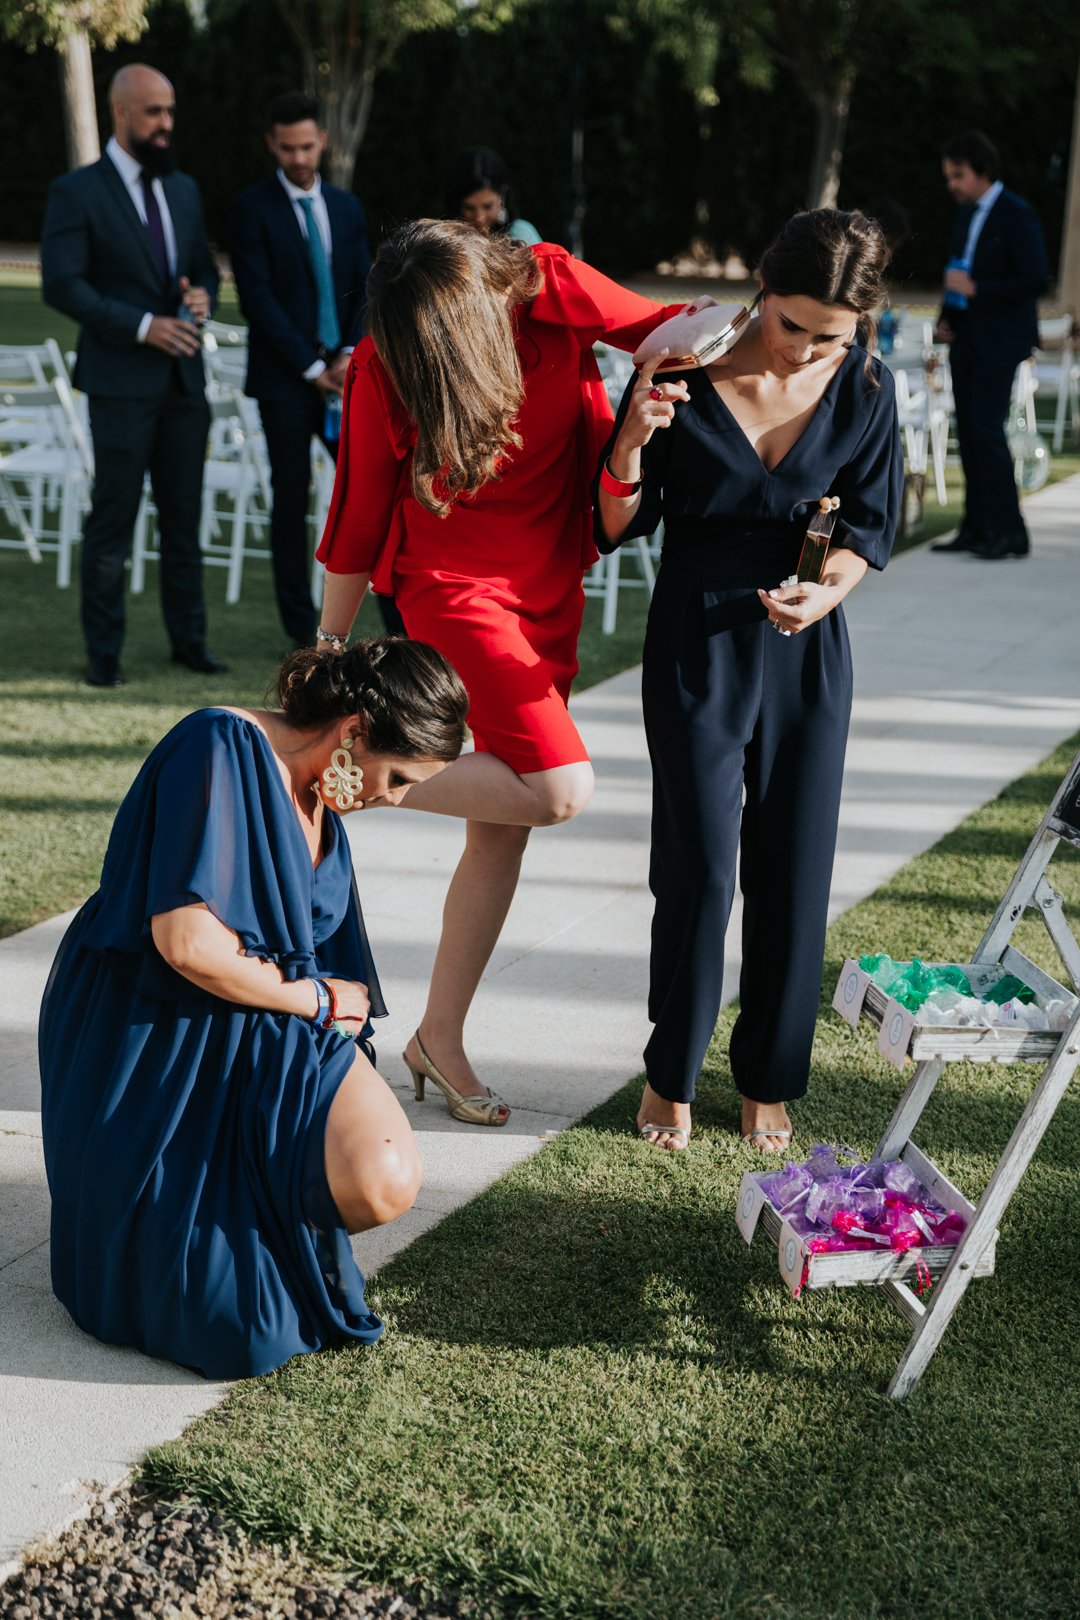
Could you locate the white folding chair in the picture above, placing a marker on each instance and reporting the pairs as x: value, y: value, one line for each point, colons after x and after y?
x: 49, y: 470
x: 1057, y: 373
x: 232, y: 502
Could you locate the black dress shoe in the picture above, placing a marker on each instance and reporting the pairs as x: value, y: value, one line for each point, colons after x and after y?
x: 197, y: 656
x: 964, y: 540
x: 103, y: 670
x: 996, y: 547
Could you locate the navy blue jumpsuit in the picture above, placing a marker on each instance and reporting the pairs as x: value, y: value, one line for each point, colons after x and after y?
x: 734, y: 709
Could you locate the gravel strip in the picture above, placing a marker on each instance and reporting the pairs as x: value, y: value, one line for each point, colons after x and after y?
x: 135, y: 1558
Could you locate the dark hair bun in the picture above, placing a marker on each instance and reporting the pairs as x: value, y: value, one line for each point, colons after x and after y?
x: 409, y: 699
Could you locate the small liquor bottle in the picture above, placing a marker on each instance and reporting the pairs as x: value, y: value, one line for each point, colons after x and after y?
x: 816, y: 544
x: 815, y: 547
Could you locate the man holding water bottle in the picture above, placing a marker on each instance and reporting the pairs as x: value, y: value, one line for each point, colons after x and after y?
x: 124, y: 252
x: 300, y: 257
x: 989, y: 317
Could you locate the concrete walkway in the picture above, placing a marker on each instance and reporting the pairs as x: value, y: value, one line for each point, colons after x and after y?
x: 966, y: 673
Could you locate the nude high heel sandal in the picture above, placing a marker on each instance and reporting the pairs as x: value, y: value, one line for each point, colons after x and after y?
x: 486, y: 1110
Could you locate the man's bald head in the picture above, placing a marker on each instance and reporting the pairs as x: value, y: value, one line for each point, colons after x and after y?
x: 137, y: 82
x: 143, y: 110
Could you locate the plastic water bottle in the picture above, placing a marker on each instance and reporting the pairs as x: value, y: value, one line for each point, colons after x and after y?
x: 953, y: 299
x: 332, y: 419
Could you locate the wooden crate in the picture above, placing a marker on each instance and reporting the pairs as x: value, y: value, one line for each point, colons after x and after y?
x: 995, y: 1044
x: 859, y: 1268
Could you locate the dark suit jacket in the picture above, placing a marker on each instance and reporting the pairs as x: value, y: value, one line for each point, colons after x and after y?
x: 276, y: 283
x: 1010, y: 271
x: 97, y: 267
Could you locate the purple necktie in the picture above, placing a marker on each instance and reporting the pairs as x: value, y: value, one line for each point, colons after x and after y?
x: 155, y: 228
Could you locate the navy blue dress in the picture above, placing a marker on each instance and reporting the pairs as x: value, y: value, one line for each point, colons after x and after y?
x: 746, y: 728
x: 184, y: 1135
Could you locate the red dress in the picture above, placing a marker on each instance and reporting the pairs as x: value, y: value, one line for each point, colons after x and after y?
x: 496, y: 585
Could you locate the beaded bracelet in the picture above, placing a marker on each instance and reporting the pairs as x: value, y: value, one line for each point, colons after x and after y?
x: 332, y: 639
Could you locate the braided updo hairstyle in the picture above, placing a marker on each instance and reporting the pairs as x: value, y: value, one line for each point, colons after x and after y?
x: 834, y: 257
x: 411, y: 702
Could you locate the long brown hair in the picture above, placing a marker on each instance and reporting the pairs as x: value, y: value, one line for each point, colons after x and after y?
x: 440, y: 309
x: 835, y: 258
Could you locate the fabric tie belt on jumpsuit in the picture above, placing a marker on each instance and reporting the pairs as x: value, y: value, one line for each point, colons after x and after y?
x: 731, y: 556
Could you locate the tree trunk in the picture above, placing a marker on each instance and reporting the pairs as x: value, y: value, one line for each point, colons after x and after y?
x: 348, y: 109
x: 1068, y: 287
x: 831, y: 106
x: 77, y: 94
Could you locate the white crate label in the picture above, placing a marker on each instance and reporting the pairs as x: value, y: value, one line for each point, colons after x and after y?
x: 896, y: 1027
x: 751, y: 1202
x: 982, y: 978
x: 792, y: 1256
x: 850, y: 992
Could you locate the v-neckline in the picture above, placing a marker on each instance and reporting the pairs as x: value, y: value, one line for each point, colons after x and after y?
x: 771, y: 472
x: 325, y: 849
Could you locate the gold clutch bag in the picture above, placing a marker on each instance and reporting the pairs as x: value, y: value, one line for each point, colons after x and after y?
x: 693, y: 340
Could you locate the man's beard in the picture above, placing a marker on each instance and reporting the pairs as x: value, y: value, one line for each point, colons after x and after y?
x: 156, y: 160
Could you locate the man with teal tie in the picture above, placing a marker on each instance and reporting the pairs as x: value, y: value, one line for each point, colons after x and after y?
x: 300, y: 257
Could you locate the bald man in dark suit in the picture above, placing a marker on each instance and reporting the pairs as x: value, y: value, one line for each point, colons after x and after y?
x: 124, y: 252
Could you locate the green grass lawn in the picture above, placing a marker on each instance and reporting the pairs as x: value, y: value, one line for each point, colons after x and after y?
x: 593, y: 1400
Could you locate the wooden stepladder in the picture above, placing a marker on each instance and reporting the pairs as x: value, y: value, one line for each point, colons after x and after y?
x: 932, y: 1048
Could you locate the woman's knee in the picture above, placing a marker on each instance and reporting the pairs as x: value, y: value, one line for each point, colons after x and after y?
x: 562, y: 793
x: 385, y: 1187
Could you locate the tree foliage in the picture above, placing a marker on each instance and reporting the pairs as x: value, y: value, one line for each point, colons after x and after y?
x: 31, y: 23
x: 344, y: 45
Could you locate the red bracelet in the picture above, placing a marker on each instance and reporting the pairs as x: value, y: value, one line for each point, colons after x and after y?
x: 616, y: 486
x: 331, y: 1017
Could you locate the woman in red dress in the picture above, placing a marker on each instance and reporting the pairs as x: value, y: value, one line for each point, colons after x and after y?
x: 474, y: 416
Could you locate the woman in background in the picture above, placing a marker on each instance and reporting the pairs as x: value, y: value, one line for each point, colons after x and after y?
x: 478, y: 191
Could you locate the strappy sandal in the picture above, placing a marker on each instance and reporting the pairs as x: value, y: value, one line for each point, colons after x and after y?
x: 761, y: 1130
x: 481, y: 1110
x: 668, y: 1130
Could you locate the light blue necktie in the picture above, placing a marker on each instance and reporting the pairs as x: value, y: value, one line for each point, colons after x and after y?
x: 329, y: 330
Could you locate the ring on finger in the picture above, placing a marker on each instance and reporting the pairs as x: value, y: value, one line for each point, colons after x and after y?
x: 656, y: 393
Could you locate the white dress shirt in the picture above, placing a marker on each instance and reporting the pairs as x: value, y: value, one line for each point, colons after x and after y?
x: 978, y: 220
x: 297, y: 196
x: 130, y: 171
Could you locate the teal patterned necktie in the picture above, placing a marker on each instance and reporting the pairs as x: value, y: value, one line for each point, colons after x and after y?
x: 329, y: 330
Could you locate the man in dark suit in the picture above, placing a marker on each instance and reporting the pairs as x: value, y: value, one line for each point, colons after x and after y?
x: 300, y: 257
x: 124, y: 252
x: 990, y: 319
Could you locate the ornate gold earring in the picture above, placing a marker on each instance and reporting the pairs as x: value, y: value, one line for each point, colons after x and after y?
x: 343, y: 779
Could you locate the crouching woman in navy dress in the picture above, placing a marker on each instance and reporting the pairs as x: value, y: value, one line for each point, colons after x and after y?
x: 214, y: 1127
x: 734, y: 458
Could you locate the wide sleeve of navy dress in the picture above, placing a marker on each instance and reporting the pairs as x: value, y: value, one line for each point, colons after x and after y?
x: 184, y: 1134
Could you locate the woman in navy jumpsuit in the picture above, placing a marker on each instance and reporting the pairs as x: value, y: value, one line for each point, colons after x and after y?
x: 734, y: 710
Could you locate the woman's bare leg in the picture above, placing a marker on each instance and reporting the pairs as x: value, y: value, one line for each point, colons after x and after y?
x: 483, y: 886
x: 372, y: 1162
x: 480, y: 787
x: 477, y: 902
